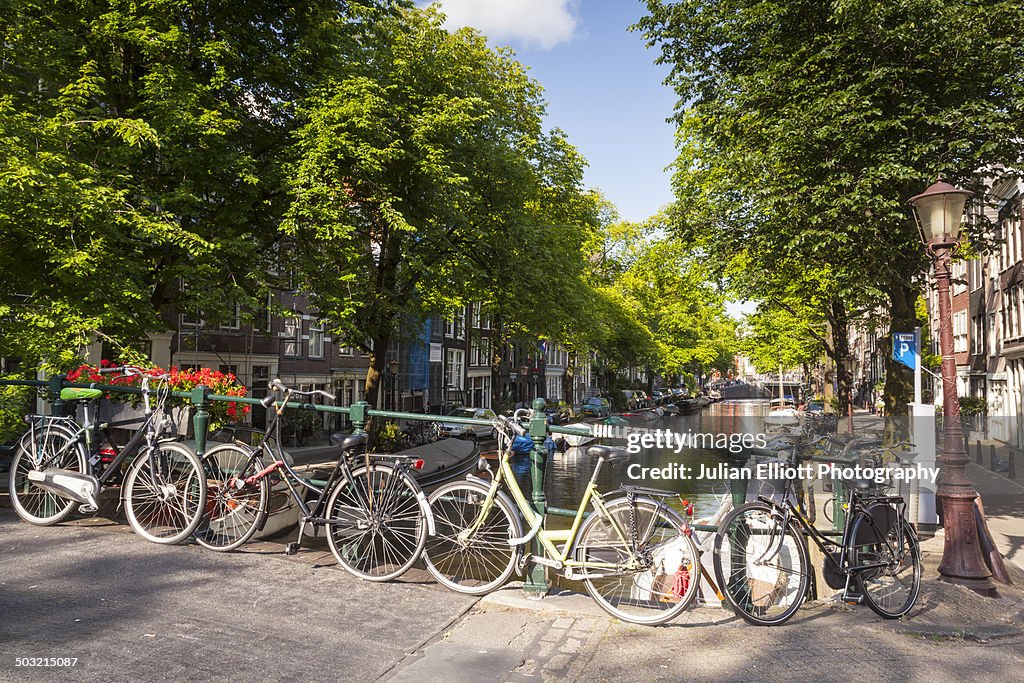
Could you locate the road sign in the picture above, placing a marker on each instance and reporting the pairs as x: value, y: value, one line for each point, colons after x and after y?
x: 904, y: 349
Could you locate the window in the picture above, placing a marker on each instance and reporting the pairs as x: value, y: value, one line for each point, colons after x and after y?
x: 346, y: 351
x: 261, y: 317
x: 480, y: 352
x: 554, y: 387
x: 481, y: 321
x: 453, y: 369
x: 233, y: 322
x: 261, y: 372
x: 456, y: 326
x: 316, y: 339
x: 960, y: 332
x: 292, y: 336
x: 480, y: 392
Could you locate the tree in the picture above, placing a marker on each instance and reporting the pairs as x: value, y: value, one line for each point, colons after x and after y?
x: 422, y: 180
x: 805, y: 128
x: 140, y: 147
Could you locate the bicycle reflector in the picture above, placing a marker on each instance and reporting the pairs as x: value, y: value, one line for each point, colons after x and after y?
x: 418, y: 463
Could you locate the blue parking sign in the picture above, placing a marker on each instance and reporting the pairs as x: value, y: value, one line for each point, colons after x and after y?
x: 904, y: 349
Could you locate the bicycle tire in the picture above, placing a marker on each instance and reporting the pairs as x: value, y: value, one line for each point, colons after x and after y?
x: 670, y: 578
x: 475, y: 564
x: 53, y: 448
x: 377, y: 523
x: 165, y: 513
x: 768, y: 568
x: 890, y: 591
x: 232, y: 513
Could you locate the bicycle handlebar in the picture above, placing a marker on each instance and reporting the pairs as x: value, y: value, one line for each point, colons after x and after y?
x: 278, y: 385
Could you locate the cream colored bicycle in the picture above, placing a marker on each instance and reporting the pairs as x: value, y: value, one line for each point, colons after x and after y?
x: 633, y: 552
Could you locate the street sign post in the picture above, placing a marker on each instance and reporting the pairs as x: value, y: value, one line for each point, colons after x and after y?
x: 906, y: 349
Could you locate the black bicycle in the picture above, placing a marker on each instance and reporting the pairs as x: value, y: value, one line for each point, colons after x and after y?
x: 376, y: 516
x: 61, y: 466
x: 762, y: 563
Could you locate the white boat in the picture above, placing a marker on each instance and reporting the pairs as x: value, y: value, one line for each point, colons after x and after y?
x: 576, y: 440
x: 782, y: 414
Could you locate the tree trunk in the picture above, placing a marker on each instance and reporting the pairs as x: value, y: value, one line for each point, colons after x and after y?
x: 839, y: 322
x: 899, y: 379
x: 378, y: 359
x: 499, y: 373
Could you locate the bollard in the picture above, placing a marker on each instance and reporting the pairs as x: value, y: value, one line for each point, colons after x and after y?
x: 1011, y: 469
x: 991, y: 456
x: 977, y: 450
x: 536, y: 578
x: 59, y: 407
x: 201, y: 420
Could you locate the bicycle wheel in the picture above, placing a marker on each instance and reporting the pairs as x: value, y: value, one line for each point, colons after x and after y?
x: 234, y: 509
x: 166, y: 505
x: 761, y: 566
x: 892, y: 589
x: 651, y: 585
x: 377, y: 528
x: 43, y: 448
x: 470, y: 552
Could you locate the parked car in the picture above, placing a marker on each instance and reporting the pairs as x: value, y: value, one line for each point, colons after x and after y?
x: 815, y: 407
x: 597, y: 407
x: 456, y: 430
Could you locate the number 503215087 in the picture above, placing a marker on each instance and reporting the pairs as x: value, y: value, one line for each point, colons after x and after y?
x: 45, y: 661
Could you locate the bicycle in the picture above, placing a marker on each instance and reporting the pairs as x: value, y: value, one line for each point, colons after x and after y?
x: 61, y: 467
x: 633, y: 553
x: 377, y: 517
x: 762, y: 566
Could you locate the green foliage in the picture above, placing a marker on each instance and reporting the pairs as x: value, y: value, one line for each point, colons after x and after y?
x: 140, y: 146
x: 972, y: 405
x: 777, y: 336
x: 805, y: 127
x: 421, y: 180
x: 15, y: 402
x: 387, y: 436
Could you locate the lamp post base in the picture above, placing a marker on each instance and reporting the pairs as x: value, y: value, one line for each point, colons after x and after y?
x: 962, y: 562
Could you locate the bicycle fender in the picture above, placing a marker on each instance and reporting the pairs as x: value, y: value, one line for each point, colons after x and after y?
x: 427, y: 512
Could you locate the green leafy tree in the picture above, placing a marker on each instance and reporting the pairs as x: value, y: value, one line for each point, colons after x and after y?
x: 423, y: 180
x: 804, y: 128
x: 140, y: 147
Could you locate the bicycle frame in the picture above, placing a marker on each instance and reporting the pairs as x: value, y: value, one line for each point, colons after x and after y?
x: 554, y: 558
x: 89, y: 434
x: 857, y: 504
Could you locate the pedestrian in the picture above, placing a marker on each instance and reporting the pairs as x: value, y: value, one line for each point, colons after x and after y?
x: 880, y: 407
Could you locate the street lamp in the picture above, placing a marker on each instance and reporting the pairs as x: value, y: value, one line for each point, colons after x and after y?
x: 393, y: 368
x: 938, y: 212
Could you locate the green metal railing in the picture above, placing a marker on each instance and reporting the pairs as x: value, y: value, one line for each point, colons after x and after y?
x: 358, y: 414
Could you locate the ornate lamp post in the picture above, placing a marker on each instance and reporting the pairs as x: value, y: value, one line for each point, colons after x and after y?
x: 393, y: 369
x: 938, y: 212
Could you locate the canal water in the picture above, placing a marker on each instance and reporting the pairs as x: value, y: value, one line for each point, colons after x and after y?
x: 568, y: 473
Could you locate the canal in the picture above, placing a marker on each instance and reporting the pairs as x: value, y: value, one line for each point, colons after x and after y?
x: 568, y: 473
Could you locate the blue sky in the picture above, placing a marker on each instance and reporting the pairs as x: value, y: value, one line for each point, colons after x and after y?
x: 602, y: 87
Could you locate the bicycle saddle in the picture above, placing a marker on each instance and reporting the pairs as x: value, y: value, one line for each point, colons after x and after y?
x: 349, y: 442
x: 606, y: 452
x: 79, y: 394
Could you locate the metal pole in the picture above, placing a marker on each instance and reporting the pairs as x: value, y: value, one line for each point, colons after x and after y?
x: 962, y: 561
x: 536, y: 579
x: 917, y: 365
x: 201, y: 420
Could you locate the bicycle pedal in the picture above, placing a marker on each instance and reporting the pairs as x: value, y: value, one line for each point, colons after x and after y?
x: 292, y: 548
x: 87, y: 509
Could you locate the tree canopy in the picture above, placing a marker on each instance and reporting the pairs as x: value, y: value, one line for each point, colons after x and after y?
x: 805, y: 127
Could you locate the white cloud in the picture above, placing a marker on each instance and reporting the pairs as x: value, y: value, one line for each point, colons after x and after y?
x: 535, y: 23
